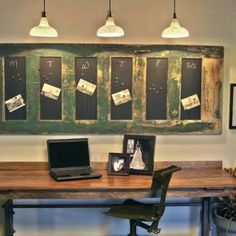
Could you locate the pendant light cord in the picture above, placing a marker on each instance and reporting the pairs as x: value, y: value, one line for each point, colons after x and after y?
x: 174, y: 14
x: 44, y: 11
x: 109, y: 9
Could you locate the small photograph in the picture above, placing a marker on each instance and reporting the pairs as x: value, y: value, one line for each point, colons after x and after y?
x: 86, y: 87
x: 190, y: 102
x: 121, y: 97
x: 118, y: 164
x: 15, y: 103
x: 141, y: 151
x: 50, y: 91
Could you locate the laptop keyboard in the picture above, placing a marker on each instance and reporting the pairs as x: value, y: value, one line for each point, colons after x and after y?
x: 71, y: 172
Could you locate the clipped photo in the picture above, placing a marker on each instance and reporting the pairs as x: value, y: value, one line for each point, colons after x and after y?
x: 15, y: 103
x: 50, y: 91
x: 86, y: 87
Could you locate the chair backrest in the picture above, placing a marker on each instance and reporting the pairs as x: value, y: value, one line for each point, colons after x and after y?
x: 160, y: 183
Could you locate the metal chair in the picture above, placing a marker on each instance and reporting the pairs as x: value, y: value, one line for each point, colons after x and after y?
x: 137, y: 213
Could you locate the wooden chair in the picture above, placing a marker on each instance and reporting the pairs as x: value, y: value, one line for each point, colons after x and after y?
x: 137, y: 213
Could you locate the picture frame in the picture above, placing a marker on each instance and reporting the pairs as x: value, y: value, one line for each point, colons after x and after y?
x: 232, y: 107
x: 141, y: 150
x: 118, y: 163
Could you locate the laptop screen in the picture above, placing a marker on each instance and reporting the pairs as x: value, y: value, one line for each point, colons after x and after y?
x: 63, y: 153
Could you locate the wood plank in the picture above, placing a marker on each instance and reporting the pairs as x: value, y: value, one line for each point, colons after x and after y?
x: 21, y: 165
x: 103, y: 165
x: 191, y: 164
x: 32, y: 180
x: 185, y: 183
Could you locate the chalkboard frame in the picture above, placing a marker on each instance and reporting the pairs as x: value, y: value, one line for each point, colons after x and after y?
x: 211, y: 102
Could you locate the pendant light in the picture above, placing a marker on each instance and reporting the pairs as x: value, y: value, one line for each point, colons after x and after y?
x: 110, y: 29
x: 43, y: 29
x: 175, y: 30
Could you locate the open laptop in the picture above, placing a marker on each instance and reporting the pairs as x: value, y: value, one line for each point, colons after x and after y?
x: 69, y: 159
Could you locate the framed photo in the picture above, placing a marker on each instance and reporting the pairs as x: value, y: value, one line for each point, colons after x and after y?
x: 232, y: 107
x: 118, y: 164
x: 141, y: 150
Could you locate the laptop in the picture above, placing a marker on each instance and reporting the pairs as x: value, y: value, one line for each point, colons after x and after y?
x: 69, y: 159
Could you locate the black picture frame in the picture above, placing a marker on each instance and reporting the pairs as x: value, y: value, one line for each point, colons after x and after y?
x: 118, y: 163
x: 141, y: 150
x: 232, y: 107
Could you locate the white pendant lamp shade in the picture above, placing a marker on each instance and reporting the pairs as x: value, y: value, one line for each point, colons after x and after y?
x: 43, y: 29
x: 175, y: 30
x: 110, y: 29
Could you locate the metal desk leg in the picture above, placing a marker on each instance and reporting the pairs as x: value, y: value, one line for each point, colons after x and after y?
x: 205, y: 216
x: 8, y: 214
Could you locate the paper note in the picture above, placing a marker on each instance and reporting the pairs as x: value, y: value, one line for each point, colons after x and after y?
x: 121, y: 97
x: 15, y: 103
x: 190, y: 102
x: 50, y: 91
x: 86, y: 87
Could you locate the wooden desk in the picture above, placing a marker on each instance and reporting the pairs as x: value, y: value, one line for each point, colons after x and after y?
x: 20, y: 180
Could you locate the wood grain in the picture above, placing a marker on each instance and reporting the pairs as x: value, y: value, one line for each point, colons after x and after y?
x: 31, y: 180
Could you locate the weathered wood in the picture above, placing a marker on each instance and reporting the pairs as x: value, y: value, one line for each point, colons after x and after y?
x: 23, y: 166
x: 191, y: 164
x: 101, y: 122
x: 31, y: 180
x: 40, y: 165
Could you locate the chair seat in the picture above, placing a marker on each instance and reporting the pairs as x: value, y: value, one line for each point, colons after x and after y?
x: 134, y: 210
x: 141, y: 214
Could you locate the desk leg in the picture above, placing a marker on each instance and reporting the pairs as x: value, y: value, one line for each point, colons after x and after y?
x: 205, y: 216
x: 8, y: 214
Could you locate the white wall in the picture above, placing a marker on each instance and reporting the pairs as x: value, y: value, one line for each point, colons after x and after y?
x: 210, y: 22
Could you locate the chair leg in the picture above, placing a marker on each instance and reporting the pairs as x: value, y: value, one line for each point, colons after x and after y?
x: 133, y: 229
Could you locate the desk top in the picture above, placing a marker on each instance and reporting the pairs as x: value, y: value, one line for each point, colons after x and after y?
x: 31, y: 180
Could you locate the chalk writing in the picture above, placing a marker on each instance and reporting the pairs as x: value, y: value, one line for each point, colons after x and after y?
x: 49, y: 62
x: 14, y: 63
x: 158, y: 62
x: 121, y: 63
x: 191, y: 65
x: 85, y: 65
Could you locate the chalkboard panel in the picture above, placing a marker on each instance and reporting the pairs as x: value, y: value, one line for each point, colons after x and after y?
x: 191, y: 86
x: 86, y: 84
x: 50, y: 88
x: 121, y: 88
x: 156, y: 88
x: 15, y: 88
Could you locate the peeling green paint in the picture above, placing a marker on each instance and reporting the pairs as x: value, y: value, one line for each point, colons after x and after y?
x: 139, y: 53
x: 173, y: 95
